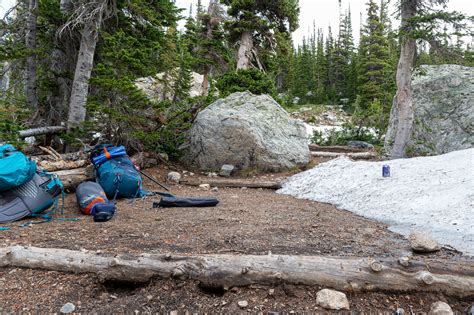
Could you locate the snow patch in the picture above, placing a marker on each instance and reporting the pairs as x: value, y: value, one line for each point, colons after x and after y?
x: 430, y: 194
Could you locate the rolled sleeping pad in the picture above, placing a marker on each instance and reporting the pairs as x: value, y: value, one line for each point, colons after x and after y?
x: 33, y: 197
x: 93, y: 201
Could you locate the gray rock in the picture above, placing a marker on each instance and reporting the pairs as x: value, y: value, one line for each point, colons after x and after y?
x: 158, y: 87
x: 440, y: 308
x: 67, y: 308
x: 173, y: 177
x: 400, y: 311
x: 443, y: 101
x: 332, y: 300
x: 226, y: 170
x: 247, y: 131
x: 205, y: 186
x: 471, y: 310
x: 423, y: 243
x: 359, y: 144
x: 243, y: 304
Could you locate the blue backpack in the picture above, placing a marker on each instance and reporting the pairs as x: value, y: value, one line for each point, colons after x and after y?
x: 15, y: 168
x: 116, y: 173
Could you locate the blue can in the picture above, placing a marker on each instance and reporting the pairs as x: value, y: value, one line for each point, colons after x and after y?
x: 386, y: 170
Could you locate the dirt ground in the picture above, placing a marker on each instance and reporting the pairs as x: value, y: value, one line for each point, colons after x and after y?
x: 246, y: 221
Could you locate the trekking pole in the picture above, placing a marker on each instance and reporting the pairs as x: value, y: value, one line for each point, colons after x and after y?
x: 154, y: 180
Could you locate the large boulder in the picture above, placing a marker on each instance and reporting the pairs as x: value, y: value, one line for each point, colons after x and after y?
x: 443, y: 101
x: 247, y: 131
x: 160, y: 87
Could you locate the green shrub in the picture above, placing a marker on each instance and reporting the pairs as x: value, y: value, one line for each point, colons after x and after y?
x: 252, y: 80
x: 347, y: 133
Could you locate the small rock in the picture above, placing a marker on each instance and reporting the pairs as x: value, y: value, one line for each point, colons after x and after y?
x: 68, y: 308
x: 191, y: 174
x: 226, y: 170
x: 359, y: 144
x: 331, y: 299
x: 271, y: 292
x: 440, y: 308
x: 404, y: 261
x: 164, y: 156
x: 471, y: 310
x: 215, y: 189
x: 243, y: 188
x: 400, y: 311
x: 173, y: 177
x: 243, y: 304
x: 211, y: 174
x: 174, y: 312
x: 205, y: 186
x: 421, y: 242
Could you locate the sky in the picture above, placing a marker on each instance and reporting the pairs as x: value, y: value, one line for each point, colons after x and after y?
x: 322, y: 12
x: 326, y: 12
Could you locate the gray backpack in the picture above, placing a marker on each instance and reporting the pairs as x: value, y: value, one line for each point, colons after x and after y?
x: 31, y: 198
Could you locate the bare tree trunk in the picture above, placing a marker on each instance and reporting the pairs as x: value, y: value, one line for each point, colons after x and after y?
x: 205, y: 81
x: 30, y: 43
x: 66, y: 6
x: 403, y: 98
x: 5, y: 77
x: 453, y: 277
x: 245, y: 51
x: 85, y: 59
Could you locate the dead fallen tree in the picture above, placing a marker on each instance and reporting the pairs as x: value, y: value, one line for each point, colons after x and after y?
x: 335, y: 148
x: 454, y: 278
x: 215, y: 182
x: 54, y: 161
x: 356, y: 155
x: 41, y: 131
x: 53, y: 166
x: 72, y: 178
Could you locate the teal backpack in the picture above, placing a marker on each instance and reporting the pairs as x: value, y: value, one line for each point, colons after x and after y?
x: 15, y: 168
x: 26, y: 191
x: 116, y: 173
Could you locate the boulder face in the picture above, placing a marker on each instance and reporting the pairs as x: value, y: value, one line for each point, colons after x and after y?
x: 160, y: 87
x: 247, y: 131
x: 443, y: 99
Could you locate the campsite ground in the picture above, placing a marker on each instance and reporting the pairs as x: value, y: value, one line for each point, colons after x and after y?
x: 246, y: 221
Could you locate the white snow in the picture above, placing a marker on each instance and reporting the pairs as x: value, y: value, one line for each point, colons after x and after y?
x: 431, y: 194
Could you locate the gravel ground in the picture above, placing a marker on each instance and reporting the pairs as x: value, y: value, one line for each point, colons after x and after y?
x: 249, y: 221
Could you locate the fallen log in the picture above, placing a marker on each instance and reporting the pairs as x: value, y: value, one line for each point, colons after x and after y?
x: 356, y: 156
x: 41, y: 131
x: 72, y: 178
x: 214, y: 182
x: 73, y: 156
x: 334, y: 148
x: 455, y: 278
x: 53, y: 166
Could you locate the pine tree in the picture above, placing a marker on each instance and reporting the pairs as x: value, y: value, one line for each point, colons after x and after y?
x: 343, y: 52
x: 330, y: 75
x: 373, y: 102
x: 254, y: 24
